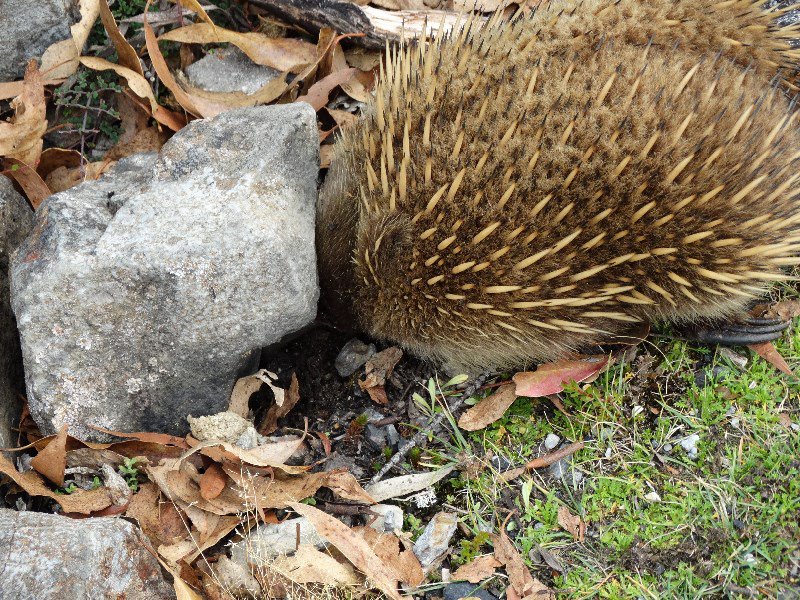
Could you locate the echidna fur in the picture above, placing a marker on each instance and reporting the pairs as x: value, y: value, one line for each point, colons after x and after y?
x: 520, y: 190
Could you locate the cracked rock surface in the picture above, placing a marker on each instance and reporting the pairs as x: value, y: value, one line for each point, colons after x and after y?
x: 141, y: 297
x: 47, y: 556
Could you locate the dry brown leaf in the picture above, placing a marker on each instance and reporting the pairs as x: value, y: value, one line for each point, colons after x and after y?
x: 550, y: 378
x: 353, y: 547
x: 246, y: 387
x: 160, y: 520
x: 21, y: 136
x: 145, y: 436
x: 360, y: 86
x: 212, y: 482
x: 479, y: 569
x: 488, y: 410
x: 386, y: 546
x: 769, y: 353
x: 53, y: 158
x: 378, y: 369
x: 523, y: 584
x: 139, y: 86
x: 82, y: 501
x: 127, y: 55
x: 274, y: 454
x: 318, y: 93
x: 571, y: 523
x: 278, y: 411
x: 309, y: 565
x: 60, y: 60
x: 26, y: 176
x: 282, y: 54
x: 52, y: 459
x: 344, y: 485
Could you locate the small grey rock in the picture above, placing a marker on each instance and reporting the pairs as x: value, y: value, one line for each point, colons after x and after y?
x: 390, y: 517
x: 28, y: 28
x: 435, y: 540
x: 16, y: 220
x: 47, y: 556
x: 353, y: 355
x: 551, y: 441
x: 229, y: 70
x: 272, y: 539
x: 141, y: 297
x: 457, y: 591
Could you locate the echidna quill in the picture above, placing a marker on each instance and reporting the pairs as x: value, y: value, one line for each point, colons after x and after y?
x: 519, y: 190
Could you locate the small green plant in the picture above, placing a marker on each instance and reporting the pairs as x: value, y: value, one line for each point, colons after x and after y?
x: 67, y: 489
x: 130, y: 472
x: 84, y: 107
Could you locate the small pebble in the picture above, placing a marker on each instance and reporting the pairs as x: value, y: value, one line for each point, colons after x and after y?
x: 667, y: 448
x: 735, y: 422
x: 389, y: 517
x: 689, y: 444
x: 608, y: 452
x: 636, y: 410
x: 353, y: 355
x: 435, y: 540
x: 551, y: 441
x: 652, y: 497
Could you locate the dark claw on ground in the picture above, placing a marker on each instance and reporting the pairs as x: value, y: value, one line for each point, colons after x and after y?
x: 750, y: 331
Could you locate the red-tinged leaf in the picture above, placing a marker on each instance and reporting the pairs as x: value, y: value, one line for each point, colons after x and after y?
x: 769, y: 353
x: 212, y: 482
x: 52, y: 459
x: 550, y: 378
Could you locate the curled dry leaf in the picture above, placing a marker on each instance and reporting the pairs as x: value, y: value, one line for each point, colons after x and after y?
x: 26, y: 176
x: 52, y: 459
x: 282, y: 54
x: 550, y: 378
x: 83, y: 502
x: 378, y: 369
x: 127, y: 55
x: 488, y: 410
x: 249, y: 385
x: 478, y: 570
x: 277, y: 411
x: 139, y: 86
x: 353, y: 547
x: 60, y: 60
x: 21, y: 135
x: 274, y: 454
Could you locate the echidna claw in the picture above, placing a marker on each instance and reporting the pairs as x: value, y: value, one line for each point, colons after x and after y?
x: 751, y: 330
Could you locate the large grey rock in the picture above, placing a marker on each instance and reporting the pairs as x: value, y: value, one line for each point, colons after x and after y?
x: 45, y: 556
x: 141, y: 297
x: 229, y: 70
x: 27, y: 28
x: 16, y: 219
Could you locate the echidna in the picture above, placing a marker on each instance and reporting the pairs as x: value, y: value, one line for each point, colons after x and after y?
x: 521, y: 189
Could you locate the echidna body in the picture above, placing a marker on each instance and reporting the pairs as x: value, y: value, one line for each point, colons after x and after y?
x: 519, y: 190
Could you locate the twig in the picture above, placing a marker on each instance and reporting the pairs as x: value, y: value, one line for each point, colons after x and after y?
x: 435, y: 424
x: 543, y: 461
